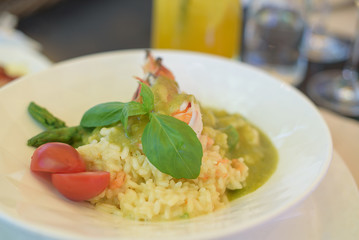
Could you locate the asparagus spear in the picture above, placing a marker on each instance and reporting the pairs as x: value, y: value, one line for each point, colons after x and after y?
x: 44, y: 117
x: 56, y: 129
x: 69, y: 135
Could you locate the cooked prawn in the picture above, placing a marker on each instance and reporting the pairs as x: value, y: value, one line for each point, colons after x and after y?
x: 154, y: 67
x: 190, y: 113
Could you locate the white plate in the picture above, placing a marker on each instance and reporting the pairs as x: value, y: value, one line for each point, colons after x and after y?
x: 320, y: 216
x: 285, y: 115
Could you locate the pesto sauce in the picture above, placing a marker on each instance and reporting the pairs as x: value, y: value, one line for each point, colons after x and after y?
x: 260, y: 170
x: 261, y: 159
x: 167, y: 98
x: 131, y: 138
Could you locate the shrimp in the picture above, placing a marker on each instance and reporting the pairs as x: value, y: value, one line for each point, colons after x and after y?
x: 155, y: 68
x: 190, y: 113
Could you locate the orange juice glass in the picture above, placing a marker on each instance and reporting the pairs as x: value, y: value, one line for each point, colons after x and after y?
x: 211, y: 26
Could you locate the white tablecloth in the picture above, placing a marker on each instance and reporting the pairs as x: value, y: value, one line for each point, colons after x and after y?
x: 345, y: 134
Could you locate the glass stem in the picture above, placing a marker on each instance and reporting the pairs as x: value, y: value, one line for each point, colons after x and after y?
x: 323, y: 11
x: 350, y: 71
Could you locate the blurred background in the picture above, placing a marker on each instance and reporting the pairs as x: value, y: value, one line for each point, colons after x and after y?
x: 293, y: 40
x: 70, y: 28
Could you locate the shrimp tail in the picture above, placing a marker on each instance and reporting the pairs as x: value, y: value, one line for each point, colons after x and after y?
x: 154, y: 67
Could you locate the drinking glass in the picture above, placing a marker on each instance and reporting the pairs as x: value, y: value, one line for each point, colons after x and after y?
x: 274, y: 38
x: 211, y: 26
x: 338, y: 90
x: 323, y: 47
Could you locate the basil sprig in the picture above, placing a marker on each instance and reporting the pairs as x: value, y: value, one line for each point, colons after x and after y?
x: 169, y: 144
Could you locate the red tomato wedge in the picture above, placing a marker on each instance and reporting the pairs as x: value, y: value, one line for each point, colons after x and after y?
x: 81, y: 186
x: 55, y: 157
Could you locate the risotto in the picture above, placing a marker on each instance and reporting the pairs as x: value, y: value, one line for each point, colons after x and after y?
x: 167, y: 156
x: 148, y: 194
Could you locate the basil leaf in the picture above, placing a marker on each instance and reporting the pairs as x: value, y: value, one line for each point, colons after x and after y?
x: 102, y: 114
x: 107, y: 113
x: 131, y: 109
x: 172, y: 146
x: 147, y: 97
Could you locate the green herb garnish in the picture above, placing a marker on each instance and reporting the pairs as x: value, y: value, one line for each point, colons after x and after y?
x: 147, y: 97
x: 172, y: 146
x: 108, y: 113
x: 169, y: 144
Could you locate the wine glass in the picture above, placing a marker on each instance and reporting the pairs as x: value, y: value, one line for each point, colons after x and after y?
x: 323, y: 47
x: 338, y: 90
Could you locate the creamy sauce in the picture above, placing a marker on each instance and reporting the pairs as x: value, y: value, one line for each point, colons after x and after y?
x: 265, y: 162
x: 167, y: 97
x: 260, y: 157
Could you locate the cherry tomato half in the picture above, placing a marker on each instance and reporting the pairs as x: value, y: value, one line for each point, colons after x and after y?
x: 55, y: 157
x: 81, y: 186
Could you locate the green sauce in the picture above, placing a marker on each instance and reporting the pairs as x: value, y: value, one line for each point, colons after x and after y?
x: 265, y: 159
x: 260, y: 157
x: 167, y: 97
